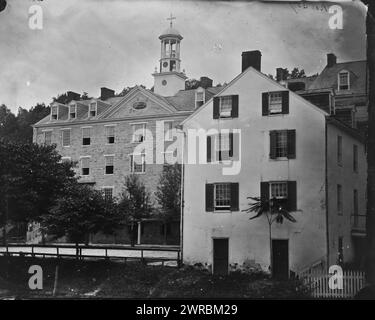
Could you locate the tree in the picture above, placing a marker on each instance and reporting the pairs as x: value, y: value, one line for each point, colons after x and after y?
x: 192, y: 84
x: 295, y: 74
x: 126, y: 90
x: 31, y: 178
x: 81, y: 211
x: 134, y: 203
x: 274, y: 210
x: 168, y: 194
x: 8, y: 124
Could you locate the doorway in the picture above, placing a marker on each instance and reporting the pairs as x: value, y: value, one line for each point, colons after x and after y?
x: 280, y: 259
x: 221, y: 255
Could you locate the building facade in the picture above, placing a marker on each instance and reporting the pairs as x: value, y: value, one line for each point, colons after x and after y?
x: 259, y: 139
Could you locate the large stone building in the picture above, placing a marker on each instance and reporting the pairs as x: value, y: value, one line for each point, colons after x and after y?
x: 111, y: 137
x: 258, y: 138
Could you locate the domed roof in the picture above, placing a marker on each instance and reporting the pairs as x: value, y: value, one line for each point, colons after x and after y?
x: 171, y: 32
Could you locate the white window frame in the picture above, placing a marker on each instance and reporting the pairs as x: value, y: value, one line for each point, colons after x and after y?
x: 221, y: 208
x: 106, y: 133
x: 96, y: 110
x: 225, y: 113
x: 203, y: 92
x: 62, y: 137
x: 285, y: 146
x: 75, y: 111
x: 44, y: 136
x: 168, y: 136
x: 81, y: 167
x: 144, y: 124
x: 57, y: 113
x: 131, y: 161
x: 90, y: 134
x: 280, y: 107
x: 105, y: 164
x: 272, y: 183
x: 108, y: 187
x: 218, y: 145
x: 339, y: 84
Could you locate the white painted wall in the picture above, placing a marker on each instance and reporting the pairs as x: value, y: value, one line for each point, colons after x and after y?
x: 174, y: 84
x: 248, y: 240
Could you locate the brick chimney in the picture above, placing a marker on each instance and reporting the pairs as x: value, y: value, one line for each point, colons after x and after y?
x: 331, y: 60
x: 106, y: 93
x: 251, y: 59
x: 205, y: 82
x: 72, y: 96
x: 280, y: 74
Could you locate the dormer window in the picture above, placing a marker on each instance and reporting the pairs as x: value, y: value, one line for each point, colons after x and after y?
x: 54, y: 113
x: 343, y: 80
x: 93, y: 109
x: 199, y: 99
x: 72, y: 111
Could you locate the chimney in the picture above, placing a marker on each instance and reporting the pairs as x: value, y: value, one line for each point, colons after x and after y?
x: 205, y: 82
x: 251, y: 59
x: 106, y: 93
x: 72, y: 96
x: 280, y: 74
x: 331, y: 60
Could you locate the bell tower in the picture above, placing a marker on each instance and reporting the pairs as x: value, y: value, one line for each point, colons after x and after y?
x: 168, y: 80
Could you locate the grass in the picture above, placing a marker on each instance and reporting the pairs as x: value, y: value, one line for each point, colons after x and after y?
x: 104, y: 279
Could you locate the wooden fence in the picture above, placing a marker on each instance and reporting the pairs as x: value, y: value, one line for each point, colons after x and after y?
x: 318, y: 283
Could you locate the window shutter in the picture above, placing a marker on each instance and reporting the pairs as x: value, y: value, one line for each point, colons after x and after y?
x: 265, y: 109
x: 291, y: 144
x: 273, y: 137
x: 285, y: 102
x: 209, y: 142
x: 234, y: 140
x: 209, y: 197
x: 292, y: 195
x: 234, y: 197
x: 216, y: 107
x: 234, y: 106
x: 265, y: 192
x: 230, y: 144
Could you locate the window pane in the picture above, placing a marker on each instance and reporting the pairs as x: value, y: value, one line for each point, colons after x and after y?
x: 281, y: 144
x: 225, y: 106
x: 222, y: 196
x: 48, y: 137
x: 279, y: 190
x: 66, y: 137
x: 139, y: 132
x: 275, y: 102
x: 108, y: 193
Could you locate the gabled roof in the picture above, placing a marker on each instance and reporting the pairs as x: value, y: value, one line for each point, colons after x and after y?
x: 328, y: 77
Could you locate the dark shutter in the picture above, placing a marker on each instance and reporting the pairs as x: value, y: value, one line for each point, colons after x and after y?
x: 209, y: 139
x: 216, y: 107
x: 291, y: 144
x: 209, y: 197
x: 265, y: 109
x: 273, y: 141
x: 234, y: 197
x: 234, y: 106
x: 230, y: 144
x: 265, y: 193
x: 285, y: 101
x: 292, y: 195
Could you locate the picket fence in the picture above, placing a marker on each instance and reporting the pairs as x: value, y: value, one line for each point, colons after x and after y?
x: 318, y: 283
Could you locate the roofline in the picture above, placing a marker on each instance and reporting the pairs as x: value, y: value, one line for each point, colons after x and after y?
x: 349, y: 130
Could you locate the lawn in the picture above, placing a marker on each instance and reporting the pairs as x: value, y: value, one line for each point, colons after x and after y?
x: 106, y: 279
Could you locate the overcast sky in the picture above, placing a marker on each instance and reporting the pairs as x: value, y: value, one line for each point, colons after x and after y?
x: 87, y: 44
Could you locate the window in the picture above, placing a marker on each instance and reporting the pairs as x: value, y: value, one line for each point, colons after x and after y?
x: 283, y: 144
x: 199, y: 99
x: 223, y: 147
x: 222, y: 196
x: 86, y: 133
x: 339, y: 199
x: 343, y: 80
x: 225, y: 107
x: 47, y: 137
x: 73, y: 111
x: 65, y: 137
x: 54, y: 113
x: 93, y: 109
x: 168, y: 130
x: 109, y: 164
x: 85, y: 166
x: 279, y: 190
x: 275, y: 102
x: 139, y: 132
x: 108, y: 193
x: 339, y: 150
x: 355, y: 202
x: 137, y: 163
x: 110, y: 134
x: 355, y: 158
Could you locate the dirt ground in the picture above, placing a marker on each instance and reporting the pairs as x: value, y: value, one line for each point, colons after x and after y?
x: 107, y: 279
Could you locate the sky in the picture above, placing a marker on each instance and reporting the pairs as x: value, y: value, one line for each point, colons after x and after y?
x: 87, y: 44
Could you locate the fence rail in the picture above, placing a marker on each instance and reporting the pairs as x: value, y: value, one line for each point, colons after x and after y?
x: 318, y: 283
x: 81, y: 251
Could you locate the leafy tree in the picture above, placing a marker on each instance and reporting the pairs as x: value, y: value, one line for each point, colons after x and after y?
x: 126, y: 90
x: 82, y: 210
x: 31, y: 178
x: 274, y: 210
x: 192, y: 84
x: 296, y: 73
x: 134, y: 203
x: 8, y: 123
x: 168, y: 194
